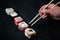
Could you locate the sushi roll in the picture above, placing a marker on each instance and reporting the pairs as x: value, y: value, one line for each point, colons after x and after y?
x: 9, y: 11
x: 29, y: 33
x: 17, y: 20
x: 22, y: 25
x: 13, y: 14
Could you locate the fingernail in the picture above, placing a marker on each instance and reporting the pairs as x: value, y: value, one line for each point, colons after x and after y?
x: 43, y: 11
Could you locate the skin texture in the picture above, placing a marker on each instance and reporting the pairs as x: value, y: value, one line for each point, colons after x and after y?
x: 54, y: 12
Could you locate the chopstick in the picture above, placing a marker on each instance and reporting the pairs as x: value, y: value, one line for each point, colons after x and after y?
x: 44, y: 14
x: 38, y: 14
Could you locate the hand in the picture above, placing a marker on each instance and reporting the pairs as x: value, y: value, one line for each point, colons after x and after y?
x: 54, y: 12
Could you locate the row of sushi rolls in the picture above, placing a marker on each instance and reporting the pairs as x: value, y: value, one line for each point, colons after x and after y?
x: 22, y: 25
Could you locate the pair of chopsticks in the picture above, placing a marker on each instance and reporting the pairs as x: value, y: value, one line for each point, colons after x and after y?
x: 43, y: 14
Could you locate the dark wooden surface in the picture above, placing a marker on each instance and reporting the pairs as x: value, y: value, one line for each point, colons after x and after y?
x: 48, y: 29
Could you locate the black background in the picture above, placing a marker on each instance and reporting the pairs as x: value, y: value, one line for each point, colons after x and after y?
x: 47, y: 29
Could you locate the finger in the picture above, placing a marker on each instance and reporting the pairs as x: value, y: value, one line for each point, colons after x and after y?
x: 46, y: 11
x: 41, y: 14
x: 45, y: 16
x: 41, y: 8
x: 50, y: 6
